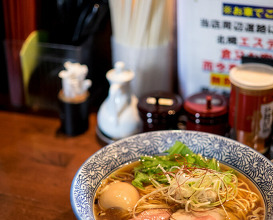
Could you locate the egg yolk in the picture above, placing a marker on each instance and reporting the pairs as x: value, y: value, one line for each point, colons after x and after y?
x: 119, y: 195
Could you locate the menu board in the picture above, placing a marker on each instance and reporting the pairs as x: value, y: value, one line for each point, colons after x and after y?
x: 214, y: 35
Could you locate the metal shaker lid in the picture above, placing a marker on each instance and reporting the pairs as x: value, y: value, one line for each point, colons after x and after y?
x: 206, y: 105
x: 160, y: 104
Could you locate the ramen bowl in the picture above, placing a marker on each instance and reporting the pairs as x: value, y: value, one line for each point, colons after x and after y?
x: 242, y: 158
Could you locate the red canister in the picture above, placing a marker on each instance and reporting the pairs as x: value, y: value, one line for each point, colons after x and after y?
x: 251, y: 105
x: 207, y: 112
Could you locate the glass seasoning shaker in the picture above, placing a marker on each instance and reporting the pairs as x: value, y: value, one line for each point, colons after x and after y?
x: 207, y: 112
x: 251, y: 105
x: 159, y: 110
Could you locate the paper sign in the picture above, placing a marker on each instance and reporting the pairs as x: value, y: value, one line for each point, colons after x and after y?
x: 213, y: 35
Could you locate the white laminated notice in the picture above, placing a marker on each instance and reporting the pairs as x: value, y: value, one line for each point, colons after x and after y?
x: 214, y: 35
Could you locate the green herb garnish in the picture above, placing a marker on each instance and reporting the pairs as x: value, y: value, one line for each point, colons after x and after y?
x: 178, y: 155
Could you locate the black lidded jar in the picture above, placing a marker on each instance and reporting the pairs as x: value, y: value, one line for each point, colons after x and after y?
x: 159, y: 110
x: 207, y: 112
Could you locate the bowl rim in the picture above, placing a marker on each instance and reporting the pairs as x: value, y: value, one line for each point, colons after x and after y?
x: 72, y: 201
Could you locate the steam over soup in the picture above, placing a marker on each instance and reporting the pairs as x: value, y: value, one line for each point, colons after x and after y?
x: 179, y: 185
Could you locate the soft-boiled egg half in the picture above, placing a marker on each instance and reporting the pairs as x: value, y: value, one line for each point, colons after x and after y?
x: 119, y: 195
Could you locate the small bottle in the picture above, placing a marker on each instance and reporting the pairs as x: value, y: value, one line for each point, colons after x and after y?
x: 118, y: 115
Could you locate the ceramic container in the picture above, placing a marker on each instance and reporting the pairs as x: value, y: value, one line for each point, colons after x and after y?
x: 159, y: 110
x: 101, y: 164
x: 207, y: 112
x: 118, y: 115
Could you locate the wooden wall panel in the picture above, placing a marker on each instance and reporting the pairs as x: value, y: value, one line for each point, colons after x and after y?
x: 20, y: 20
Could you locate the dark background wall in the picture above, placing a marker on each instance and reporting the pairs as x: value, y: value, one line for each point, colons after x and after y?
x: 60, y: 19
x: 4, y: 88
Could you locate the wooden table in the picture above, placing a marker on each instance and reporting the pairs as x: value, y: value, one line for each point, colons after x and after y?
x: 37, y: 166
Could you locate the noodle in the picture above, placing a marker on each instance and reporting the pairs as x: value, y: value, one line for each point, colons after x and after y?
x: 236, y: 198
x: 245, y: 203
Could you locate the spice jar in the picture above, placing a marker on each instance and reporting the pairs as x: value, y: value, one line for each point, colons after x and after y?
x: 159, y: 110
x: 251, y: 105
x: 207, y: 112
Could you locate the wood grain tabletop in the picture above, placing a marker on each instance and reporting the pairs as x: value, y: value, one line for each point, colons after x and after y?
x: 37, y: 166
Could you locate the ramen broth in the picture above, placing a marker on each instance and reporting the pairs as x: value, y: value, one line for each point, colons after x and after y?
x: 120, y: 214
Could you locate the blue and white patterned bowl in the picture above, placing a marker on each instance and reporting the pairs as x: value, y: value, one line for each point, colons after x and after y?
x: 249, y: 162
